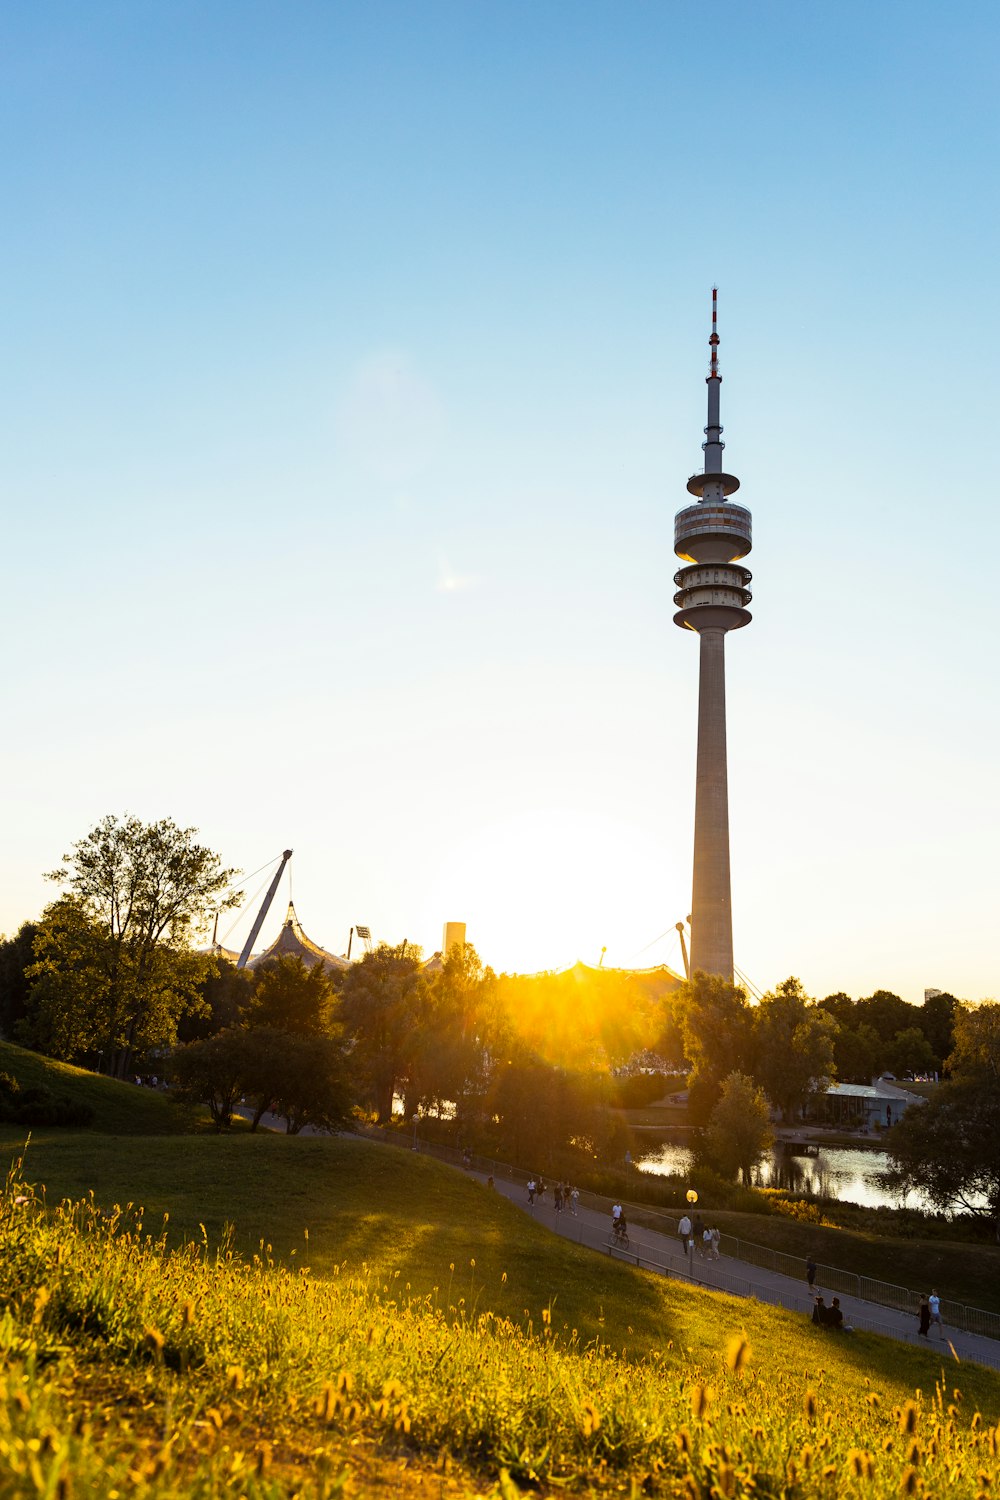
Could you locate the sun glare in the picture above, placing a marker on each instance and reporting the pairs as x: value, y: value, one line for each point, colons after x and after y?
x: 543, y: 889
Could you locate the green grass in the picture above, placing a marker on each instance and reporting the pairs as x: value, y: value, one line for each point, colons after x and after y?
x: 439, y: 1340
x: 118, y: 1108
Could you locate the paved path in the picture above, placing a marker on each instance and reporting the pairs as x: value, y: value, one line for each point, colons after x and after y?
x: 655, y: 1251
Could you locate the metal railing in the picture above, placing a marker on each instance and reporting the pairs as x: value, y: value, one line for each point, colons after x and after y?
x: 976, y: 1320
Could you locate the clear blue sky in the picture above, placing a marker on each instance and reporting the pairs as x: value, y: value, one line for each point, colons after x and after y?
x: 353, y: 365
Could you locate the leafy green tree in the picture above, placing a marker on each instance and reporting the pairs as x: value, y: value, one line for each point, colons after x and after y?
x: 291, y: 997
x: 16, y: 957
x: 459, y: 1029
x: 794, y: 1047
x: 379, y: 1011
x: 856, y: 1052
x: 841, y: 1008
x: 948, y: 1146
x: 114, y: 963
x: 937, y: 1022
x: 910, y: 1052
x: 739, y: 1130
x: 886, y: 1014
x: 213, y: 1071
x: 541, y: 1110
x: 225, y: 993
x: 90, y: 999
x: 718, y: 1029
x: 311, y: 1082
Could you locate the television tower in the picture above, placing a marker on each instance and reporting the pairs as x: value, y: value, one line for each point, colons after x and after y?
x: 713, y: 592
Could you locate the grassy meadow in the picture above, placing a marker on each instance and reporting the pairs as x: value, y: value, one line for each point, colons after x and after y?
x: 185, y: 1314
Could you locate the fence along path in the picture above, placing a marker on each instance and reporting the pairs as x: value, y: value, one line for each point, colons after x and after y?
x: 656, y: 1246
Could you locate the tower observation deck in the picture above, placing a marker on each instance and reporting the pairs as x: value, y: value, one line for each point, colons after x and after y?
x: 713, y: 591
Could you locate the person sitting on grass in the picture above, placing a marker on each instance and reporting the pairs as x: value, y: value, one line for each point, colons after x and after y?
x: 835, y: 1318
x: 820, y: 1311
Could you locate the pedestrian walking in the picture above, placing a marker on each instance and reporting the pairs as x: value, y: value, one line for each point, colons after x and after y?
x: 925, y: 1317
x: 532, y: 1189
x: 684, y: 1230
x: 934, y: 1303
x: 811, y: 1272
x: 574, y: 1200
x: 557, y: 1195
x: 715, y: 1238
x: 698, y: 1233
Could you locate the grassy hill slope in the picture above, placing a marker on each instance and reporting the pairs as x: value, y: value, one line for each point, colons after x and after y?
x: 118, y: 1108
x: 433, y: 1318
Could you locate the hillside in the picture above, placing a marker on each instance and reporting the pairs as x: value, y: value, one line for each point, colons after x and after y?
x: 388, y: 1310
x: 118, y: 1108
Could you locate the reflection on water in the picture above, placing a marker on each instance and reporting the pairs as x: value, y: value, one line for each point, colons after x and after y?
x: 842, y: 1172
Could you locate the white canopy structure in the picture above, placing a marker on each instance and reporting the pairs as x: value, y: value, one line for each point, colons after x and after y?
x: 292, y: 942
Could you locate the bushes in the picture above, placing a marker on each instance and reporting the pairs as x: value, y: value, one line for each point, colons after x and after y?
x: 38, y: 1105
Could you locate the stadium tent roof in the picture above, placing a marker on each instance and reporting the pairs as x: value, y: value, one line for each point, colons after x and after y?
x: 292, y: 942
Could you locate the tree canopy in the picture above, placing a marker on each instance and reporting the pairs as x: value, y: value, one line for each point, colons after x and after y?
x: 114, y: 965
x: 948, y: 1146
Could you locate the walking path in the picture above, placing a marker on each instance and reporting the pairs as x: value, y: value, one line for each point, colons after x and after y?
x: 664, y: 1253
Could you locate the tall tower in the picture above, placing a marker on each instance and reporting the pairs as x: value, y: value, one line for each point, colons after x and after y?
x: 713, y: 592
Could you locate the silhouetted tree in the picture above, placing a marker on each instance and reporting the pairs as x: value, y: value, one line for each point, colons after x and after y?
x: 739, y: 1130
x: 794, y: 1047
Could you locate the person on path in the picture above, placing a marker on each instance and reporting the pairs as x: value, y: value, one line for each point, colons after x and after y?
x: 684, y: 1230
x: 541, y: 1189
x: 698, y: 1230
x: 706, y: 1243
x: 531, y: 1190
x: 574, y: 1200
x: 934, y: 1303
x: 925, y: 1317
x: 716, y: 1238
x: 616, y: 1213
x: 811, y: 1272
x: 557, y: 1197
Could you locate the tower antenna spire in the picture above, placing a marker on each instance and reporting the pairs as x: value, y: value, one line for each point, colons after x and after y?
x: 713, y: 343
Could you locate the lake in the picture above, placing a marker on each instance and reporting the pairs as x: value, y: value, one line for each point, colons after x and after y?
x: 846, y: 1173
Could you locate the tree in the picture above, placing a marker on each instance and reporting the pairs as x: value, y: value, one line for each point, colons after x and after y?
x: 310, y: 1082
x: 794, y: 1047
x: 213, y: 1071
x: 291, y: 997
x: 885, y: 1013
x: 739, y: 1130
x: 302, y: 1078
x: 16, y: 958
x: 937, y: 1022
x: 225, y: 993
x: 856, y: 1053
x: 114, y: 953
x: 948, y: 1146
x: 717, y: 1026
x: 459, y: 1028
x: 910, y: 1052
x: 379, y: 1011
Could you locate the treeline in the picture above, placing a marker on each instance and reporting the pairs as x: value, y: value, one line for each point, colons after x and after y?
x: 884, y: 1034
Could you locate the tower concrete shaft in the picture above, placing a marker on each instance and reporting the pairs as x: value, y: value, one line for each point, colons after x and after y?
x: 713, y: 592
x: 711, y: 899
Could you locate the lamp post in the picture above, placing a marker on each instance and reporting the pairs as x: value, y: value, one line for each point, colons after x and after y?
x: 414, y: 1146
x: 692, y: 1198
